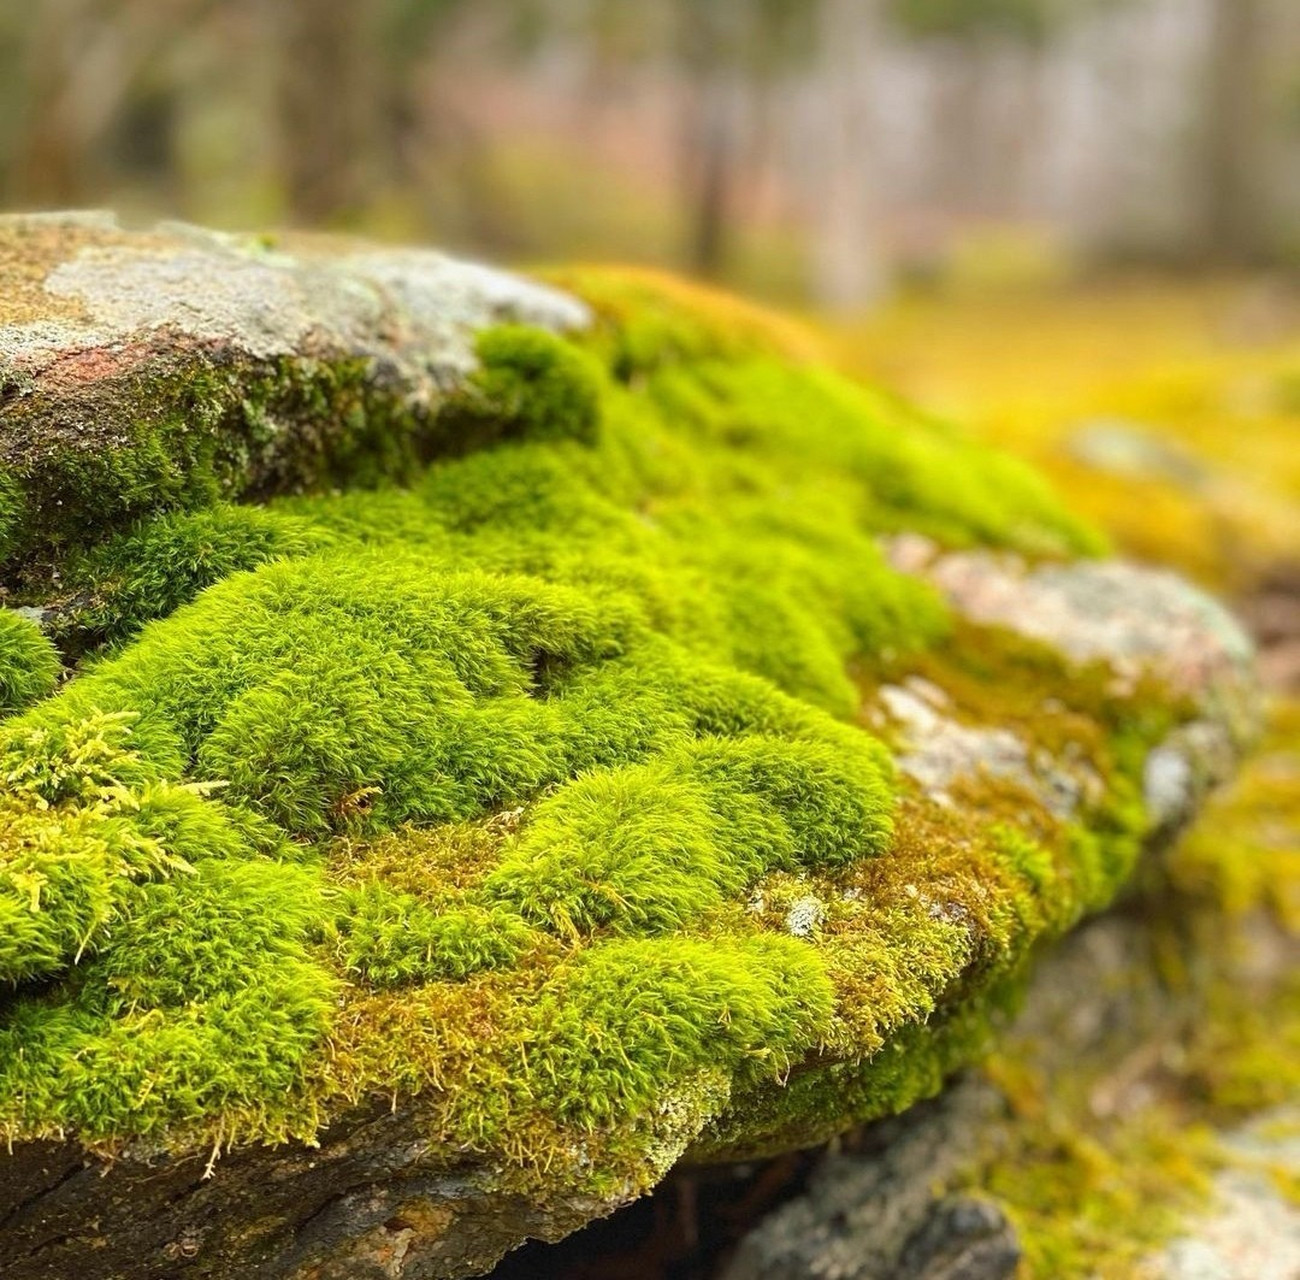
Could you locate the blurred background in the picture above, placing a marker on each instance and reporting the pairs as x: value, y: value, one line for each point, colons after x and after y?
x: 820, y: 151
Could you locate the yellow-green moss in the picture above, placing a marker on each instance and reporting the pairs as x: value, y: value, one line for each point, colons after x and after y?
x: 1093, y: 1194
x: 1245, y: 853
x: 1090, y: 1204
x: 1210, y: 406
x: 501, y: 788
x: 1093, y: 1188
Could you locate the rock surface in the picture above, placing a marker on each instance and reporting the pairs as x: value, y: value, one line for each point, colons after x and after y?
x: 873, y: 1214
x: 370, y: 1200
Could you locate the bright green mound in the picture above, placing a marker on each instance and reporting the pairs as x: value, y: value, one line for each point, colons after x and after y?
x: 502, y: 790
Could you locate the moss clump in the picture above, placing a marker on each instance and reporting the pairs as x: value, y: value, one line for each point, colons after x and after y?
x: 161, y: 564
x: 29, y: 663
x: 502, y: 788
x: 530, y: 384
x: 650, y: 847
x: 630, y: 1014
x: 85, y: 820
x: 394, y: 938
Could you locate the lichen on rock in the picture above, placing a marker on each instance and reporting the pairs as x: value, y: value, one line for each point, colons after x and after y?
x: 523, y: 758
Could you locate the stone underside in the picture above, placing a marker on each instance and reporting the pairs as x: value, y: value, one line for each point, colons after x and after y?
x: 513, y: 736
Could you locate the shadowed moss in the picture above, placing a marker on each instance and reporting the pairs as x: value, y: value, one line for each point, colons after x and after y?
x: 207, y: 433
x: 164, y: 562
x: 533, y: 787
x: 530, y: 384
x: 29, y: 664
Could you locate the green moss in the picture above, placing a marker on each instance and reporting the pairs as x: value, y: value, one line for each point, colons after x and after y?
x: 650, y: 847
x: 531, y: 384
x: 165, y: 561
x: 83, y: 824
x: 204, y: 433
x: 11, y: 512
x: 29, y: 663
x: 390, y: 938
x: 1244, y: 855
x: 238, y: 1051
x: 503, y: 788
x: 1096, y: 1188
x: 1089, y: 1204
x: 627, y: 1015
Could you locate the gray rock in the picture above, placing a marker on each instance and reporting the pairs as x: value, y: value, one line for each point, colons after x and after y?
x: 1132, y: 451
x: 1134, y: 619
x: 1131, y: 617
x: 875, y: 1216
x: 138, y: 368
x: 938, y: 751
x: 961, y: 1238
x: 415, y: 309
x: 1251, y: 1230
x: 370, y: 1202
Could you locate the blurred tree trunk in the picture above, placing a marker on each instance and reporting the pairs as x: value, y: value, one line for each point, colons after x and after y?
x: 82, y: 69
x: 326, y: 108
x: 46, y: 148
x: 713, y: 177
x: 711, y: 140
x: 961, y: 123
x: 847, y: 263
x: 1235, y: 227
x: 79, y: 60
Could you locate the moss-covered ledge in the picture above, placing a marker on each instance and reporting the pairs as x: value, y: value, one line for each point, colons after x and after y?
x: 689, y: 754
x: 143, y: 371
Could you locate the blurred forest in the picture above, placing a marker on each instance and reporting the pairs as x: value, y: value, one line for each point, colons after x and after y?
x: 803, y: 149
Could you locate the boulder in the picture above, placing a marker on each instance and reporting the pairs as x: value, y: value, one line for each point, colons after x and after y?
x: 472, y: 743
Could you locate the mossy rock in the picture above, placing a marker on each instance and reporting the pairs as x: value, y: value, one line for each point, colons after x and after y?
x: 143, y: 372
x: 582, y: 731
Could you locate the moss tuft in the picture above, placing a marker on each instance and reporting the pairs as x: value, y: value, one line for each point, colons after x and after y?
x: 650, y: 847
x: 29, y: 663
x: 626, y: 1015
x: 390, y: 939
x: 165, y: 561
x: 531, y: 384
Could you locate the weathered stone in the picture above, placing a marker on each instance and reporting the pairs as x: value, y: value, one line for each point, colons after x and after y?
x: 370, y: 1202
x: 1133, y: 619
x: 938, y: 751
x: 874, y: 1214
